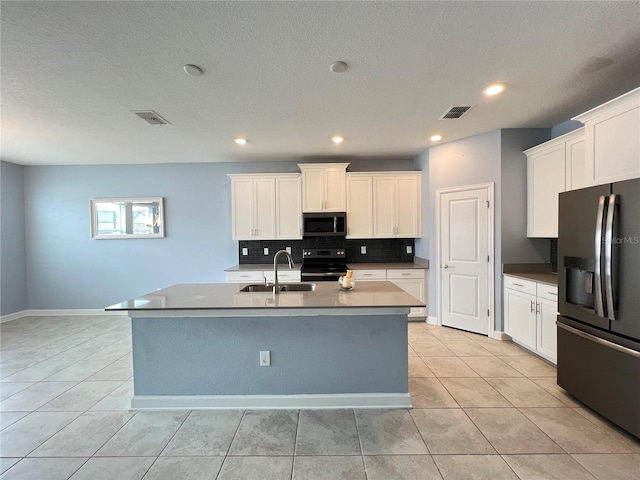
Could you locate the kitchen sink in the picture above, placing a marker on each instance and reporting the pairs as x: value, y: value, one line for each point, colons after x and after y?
x: 284, y: 287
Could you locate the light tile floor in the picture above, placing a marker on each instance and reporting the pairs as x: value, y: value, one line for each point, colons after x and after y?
x: 483, y: 409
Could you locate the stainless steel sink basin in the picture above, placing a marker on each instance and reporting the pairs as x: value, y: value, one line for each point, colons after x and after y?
x: 257, y: 288
x: 298, y: 287
x: 284, y: 287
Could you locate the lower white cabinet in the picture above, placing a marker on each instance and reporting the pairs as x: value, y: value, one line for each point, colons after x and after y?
x: 411, y: 280
x: 258, y: 276
x: 530, y: 310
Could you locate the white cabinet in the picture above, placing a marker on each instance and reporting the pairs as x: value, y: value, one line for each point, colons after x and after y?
x: 265, y: 207
x: 612, y: 140
x: 552, y: 167
x: 253, y: 207
x: 288, y: 207
x: 530, y: 310
x: 258, y: 276
x: 411, y: 281
x: 324, y: 187
x: 359, y: 206
x: 396, y: 205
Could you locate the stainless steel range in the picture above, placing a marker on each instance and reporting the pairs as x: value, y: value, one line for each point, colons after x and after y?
x: 323, y: 264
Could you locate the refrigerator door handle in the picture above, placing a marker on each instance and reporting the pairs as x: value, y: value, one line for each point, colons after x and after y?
x: 599, y: 304
x: 608, y: 258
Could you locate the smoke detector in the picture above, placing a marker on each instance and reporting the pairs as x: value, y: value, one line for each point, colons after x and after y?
x: 454, y: 112
x: 151, y: 117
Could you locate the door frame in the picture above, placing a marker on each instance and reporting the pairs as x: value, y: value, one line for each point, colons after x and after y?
x: 489, y: 187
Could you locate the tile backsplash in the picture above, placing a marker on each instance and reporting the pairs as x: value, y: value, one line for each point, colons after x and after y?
x: 553, y: 254
x: 381, y: 250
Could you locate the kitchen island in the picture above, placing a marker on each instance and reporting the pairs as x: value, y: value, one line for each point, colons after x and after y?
x: 198, y: 346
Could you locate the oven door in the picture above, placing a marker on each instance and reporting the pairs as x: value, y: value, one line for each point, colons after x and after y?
x: 319, y: 276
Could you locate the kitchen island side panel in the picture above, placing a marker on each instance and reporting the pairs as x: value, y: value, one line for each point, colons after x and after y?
x: 318, y: 354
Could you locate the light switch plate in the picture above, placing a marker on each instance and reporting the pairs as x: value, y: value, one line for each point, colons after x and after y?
x: 266, y: 250
x: 363, y: 250
x: 409, y: 249
x: 288, y: 250
x: 245, y: 251
x: 265, y: 358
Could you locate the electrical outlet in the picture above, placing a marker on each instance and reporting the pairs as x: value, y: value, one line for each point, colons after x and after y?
x: 288, y: 250
x: 245, y: 251
x: 266, y: 250
x: 265, y: 358
x: 409, y: 249
x: 363, y: 250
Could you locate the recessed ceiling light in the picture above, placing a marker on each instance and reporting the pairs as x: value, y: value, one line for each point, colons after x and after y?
x: 494, y: 89
x: 436, y: 138
x: 193, y: 70
x: 338, y: 67
x: 337, y: 139
x: 240, y: 141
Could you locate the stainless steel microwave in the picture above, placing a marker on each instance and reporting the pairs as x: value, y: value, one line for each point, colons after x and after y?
x: 324, y: 224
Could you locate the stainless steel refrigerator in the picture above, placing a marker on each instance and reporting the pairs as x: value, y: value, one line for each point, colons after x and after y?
x: 599, y: 299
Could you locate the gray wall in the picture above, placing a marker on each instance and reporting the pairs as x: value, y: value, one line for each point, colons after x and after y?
x: 13, y: 273
x: 491, y: 157
x: 565, y: 127
x: 469, y: 161
x: 67, y: 269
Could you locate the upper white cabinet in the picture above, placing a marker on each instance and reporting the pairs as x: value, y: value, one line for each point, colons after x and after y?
x: 359, y: 206
x: 324, y: 187
x: 552, y: 167
x: 253, y: 207
x: 396, y: 205
x: 288, y: 207
x: 612, y: 140
x: 265, y: 207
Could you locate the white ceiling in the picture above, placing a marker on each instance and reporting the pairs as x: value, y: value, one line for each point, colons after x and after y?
x: 72, y: 72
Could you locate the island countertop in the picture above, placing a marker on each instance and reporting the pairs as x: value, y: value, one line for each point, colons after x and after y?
x: 227, y: 296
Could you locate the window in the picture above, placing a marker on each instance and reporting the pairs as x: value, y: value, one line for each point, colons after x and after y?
x: 116, y: 218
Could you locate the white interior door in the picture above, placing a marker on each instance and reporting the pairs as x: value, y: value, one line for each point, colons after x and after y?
x: 464, y: 259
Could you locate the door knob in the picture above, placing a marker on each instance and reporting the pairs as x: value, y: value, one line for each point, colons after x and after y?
x: 445, y: 266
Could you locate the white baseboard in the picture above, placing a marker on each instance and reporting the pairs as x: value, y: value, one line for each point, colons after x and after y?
x: 58, y: 313
x: 270, y: 402
x: 13, y: 316
x: 432, y: 320
x: 500, y: 335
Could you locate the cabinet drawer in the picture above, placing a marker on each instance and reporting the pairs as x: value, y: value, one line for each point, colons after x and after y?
x: 405, y: 273
x: 550, y: 292
x: 283, y: 275
x: 244, y: 276
x: 525, y: 286
x: 370, y: 274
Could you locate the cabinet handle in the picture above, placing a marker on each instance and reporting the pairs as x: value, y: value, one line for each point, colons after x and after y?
x: 532, y: 306
x: 537, y: 308
x: 552, y: 293
x: 406, y: 274
x: 368, y: 274
x: 518, y: 284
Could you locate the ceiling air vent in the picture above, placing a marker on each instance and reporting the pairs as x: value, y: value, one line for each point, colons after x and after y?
x: 151, y: 117
x: 455, y: 111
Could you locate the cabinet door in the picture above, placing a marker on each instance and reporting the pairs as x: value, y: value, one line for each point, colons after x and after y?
x: 383, y: 207
x: 264, y: 209
x: 414, y: 287
x: 335, y: 190
x: 520, y: 317
x: 288, y: 208
x: 613, y: 142
x: 360, y: 207
x: 312, y: 190
x: 242, y: 209
x: 546, y: 342
x: 576, y: 171
x: 407, y: 211
x: 545, y: 181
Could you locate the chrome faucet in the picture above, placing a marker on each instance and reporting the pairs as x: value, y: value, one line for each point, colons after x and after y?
x: 276, y: 285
